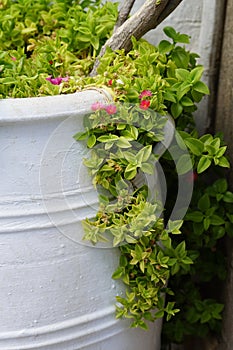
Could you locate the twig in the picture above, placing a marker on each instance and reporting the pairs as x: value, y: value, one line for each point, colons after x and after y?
x: 124, y: 12
x: 146, y: 18
x: 170, y: 7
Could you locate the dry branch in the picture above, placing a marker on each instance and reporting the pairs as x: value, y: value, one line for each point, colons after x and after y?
x: 151, y: 13
x: 124, y: 12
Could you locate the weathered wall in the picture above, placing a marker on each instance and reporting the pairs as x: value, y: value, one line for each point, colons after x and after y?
x: 201, y: 19
x: 224, y: 123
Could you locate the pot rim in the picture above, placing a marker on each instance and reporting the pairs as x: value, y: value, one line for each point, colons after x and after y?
x: 50, y: 107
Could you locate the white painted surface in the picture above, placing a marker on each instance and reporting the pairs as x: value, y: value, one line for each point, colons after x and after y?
x: 197, y: 19
x: 55, y: 294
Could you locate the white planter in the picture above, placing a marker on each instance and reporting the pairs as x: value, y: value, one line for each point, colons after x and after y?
x: 55, y: 293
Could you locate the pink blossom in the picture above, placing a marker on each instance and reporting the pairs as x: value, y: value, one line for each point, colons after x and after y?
x: 144, y: 104
x: 97, y: 106
x: 66, y: 78
x: 13, y: 58
x: 145, y: 93
x: 57, y: 81
x: 111, y: 109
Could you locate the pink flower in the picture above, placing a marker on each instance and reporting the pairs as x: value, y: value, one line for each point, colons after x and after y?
x: 57, y: 81
x: 13, y: 58
x: 110, y: 82
x: 54, y: 81
x: 97, y: 106
x: 145, y: 93
x: 66, y: 78
x: 111, y: 109
x: 144, y: 104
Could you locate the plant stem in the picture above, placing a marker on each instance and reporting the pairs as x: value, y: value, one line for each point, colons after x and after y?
x: 170, y: 7
x: 150, y: 14
x: 124, y: 13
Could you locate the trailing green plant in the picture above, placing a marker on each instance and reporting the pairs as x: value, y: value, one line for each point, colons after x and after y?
x: 49, y: 48
x: 166, y: 79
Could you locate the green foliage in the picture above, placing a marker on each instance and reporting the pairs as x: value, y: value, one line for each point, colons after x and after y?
x: 43, y: 38
x: 159, y: 257
x: 191, y: 257
x: 208, y: 220
x: 198, y: 316
x: 172, y: 75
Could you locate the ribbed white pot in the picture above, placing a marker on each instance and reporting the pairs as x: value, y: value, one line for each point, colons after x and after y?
x: 55, y: 291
